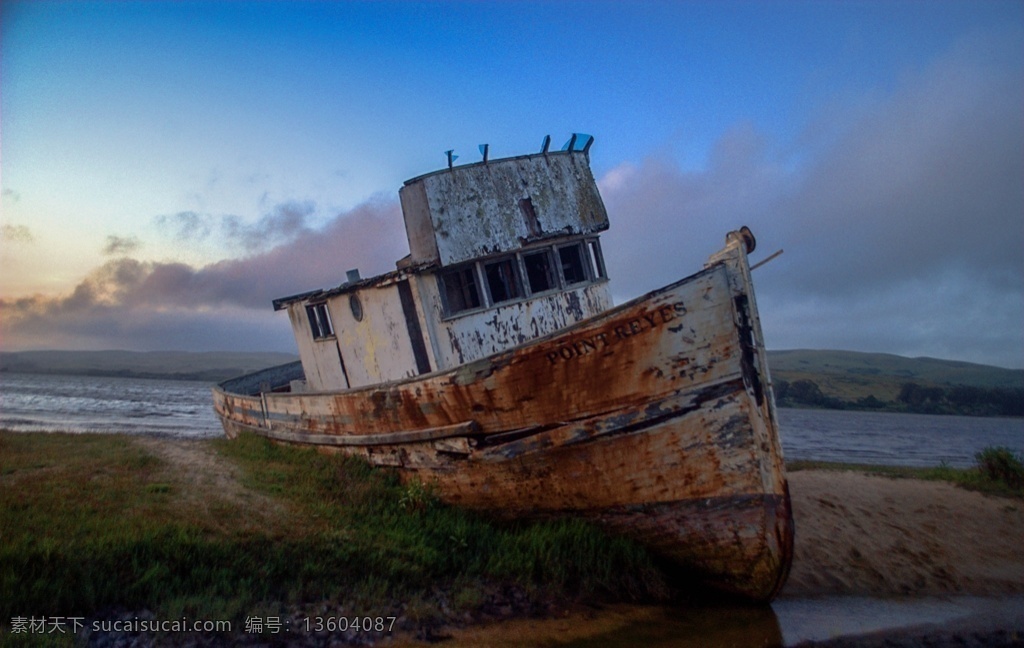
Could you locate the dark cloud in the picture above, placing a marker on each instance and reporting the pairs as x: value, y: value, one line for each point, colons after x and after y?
x: 11, y: 194
x: 127, y: 303
x: 901, y: 219
x: 117, y: 245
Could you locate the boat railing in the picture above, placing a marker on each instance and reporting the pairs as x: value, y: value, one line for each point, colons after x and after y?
x: 271, y: 379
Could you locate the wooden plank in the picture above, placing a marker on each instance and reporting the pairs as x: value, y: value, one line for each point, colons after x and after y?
x: 295, y: 434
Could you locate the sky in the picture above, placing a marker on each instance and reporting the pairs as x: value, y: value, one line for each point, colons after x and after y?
x: 169, y: 168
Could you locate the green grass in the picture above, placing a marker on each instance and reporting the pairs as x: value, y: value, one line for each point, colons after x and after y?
x: 997, y: 471
x: 91, y: 523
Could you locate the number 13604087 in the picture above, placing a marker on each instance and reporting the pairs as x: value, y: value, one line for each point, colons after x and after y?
x: 349, y: 624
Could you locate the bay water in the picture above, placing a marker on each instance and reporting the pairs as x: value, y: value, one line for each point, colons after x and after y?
x: 184, y: 409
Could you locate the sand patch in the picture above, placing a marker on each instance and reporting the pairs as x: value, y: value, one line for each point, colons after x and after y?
x: 869, y: 535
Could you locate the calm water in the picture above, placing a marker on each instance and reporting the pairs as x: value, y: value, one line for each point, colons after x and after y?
x: 894, y: 439
x: 181, y: 408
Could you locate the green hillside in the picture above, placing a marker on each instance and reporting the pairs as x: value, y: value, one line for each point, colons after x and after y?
x: 211, y: 366
x: 886, y: 381
x: 886, y: 365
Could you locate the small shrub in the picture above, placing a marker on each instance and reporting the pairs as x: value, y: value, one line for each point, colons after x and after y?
x: 1001, y: 465
x: 417, y: 496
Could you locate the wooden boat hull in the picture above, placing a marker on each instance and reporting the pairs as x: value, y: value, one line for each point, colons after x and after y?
x: 655, y: 419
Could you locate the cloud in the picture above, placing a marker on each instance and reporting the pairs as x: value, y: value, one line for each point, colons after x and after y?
x: 16, y: 234
x: 901, y: 219
x: 284, y: 223
x: 134, y: 304
x: 899, y: 210
x: 187, y: 225
x: 932, y: 178
x: 11, y: 194
x: 121, y: 245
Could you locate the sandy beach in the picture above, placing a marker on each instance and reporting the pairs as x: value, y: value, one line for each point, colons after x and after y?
x: 859, y: 534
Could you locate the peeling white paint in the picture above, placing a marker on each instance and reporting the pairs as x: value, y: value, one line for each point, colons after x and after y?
x: 473, y: 211
x: 452, y: 216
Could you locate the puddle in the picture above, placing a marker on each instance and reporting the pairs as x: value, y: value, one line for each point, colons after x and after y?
x: 829, y: 618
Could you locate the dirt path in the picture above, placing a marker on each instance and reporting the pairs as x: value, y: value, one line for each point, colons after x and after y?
x: 207, y: 482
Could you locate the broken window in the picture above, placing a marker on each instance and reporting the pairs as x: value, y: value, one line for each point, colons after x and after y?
x: 319, y: 320
x: 596, y: 260
x: 503, y: 280
x: 540, y: 270
x: 515, y: 276
x: 573, y: 269
x: 460, y: 289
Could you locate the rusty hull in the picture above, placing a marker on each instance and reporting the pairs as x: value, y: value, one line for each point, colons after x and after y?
x: 655, y: 419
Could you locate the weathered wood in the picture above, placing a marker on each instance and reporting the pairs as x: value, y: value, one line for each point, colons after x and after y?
x: 296, y: 434
x: 655, y: 419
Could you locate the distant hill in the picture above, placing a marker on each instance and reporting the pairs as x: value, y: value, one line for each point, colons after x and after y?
x: 886, y: 365
x: 886, y: 381
x: 838, y: 379
x: 213, y: 366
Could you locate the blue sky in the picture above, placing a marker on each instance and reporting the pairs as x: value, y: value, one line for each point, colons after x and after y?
x: 169, y: 168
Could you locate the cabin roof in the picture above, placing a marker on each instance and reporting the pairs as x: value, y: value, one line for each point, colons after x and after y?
x: 385, y: 279
x: 481, y: 163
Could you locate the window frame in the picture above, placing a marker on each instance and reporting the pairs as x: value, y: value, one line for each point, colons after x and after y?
x: 582, y: 255
x: 511, y: 262
x: 554, y: 281
x: 320, y: 324
x: 476, y: 288
x: 597, y: 266
x: 591, y: 267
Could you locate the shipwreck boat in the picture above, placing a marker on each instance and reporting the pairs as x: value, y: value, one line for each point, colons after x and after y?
x: 492, y: 363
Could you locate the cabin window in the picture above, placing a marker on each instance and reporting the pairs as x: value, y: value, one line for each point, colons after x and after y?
x: 461, y: 289
x: 540, y: 271
x: 356, y: 307
x: 503, y: 280
x: 319, y: 320
x: 513, y: 277
x: 596, y: 260
x: 573, y: 269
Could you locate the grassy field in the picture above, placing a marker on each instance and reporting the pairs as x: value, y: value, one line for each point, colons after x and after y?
x: 95, y: 524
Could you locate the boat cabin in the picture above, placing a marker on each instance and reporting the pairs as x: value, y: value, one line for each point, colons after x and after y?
x: 501, y: 252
